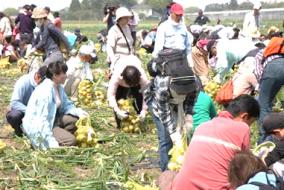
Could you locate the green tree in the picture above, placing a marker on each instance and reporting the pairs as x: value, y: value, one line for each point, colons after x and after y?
x: 10, y: 12
x: 75, y: 5
x: 158, y: 5
x: 233, y: 4
x: 192, y: 10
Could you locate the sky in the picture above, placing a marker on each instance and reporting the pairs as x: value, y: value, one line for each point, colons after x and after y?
x: 56, y: 5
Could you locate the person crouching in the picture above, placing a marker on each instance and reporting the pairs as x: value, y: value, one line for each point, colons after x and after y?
x: 128, y: 81
x: 78, y: 70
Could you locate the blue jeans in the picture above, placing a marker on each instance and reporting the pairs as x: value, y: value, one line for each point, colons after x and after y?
x: 165, y: 142
x: 271, y: 82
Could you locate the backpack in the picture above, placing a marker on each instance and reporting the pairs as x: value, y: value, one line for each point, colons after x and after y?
x: 225, y: 94
x: 269, y: 186
x: 275, y: 46
x: 173, y: 63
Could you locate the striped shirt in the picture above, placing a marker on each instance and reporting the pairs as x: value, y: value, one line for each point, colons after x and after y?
x: 261, y: 62
x: 158, y: 95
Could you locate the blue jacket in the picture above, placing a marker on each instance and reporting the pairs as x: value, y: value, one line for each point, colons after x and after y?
x: 23, y: 90
x: 41, y: 113
x: 260, y: 178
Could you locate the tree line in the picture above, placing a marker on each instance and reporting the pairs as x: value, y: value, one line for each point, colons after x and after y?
x: 233, y: 5
x: 94, y: 9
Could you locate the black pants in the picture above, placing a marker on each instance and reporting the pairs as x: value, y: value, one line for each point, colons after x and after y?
x: 133, y: 35
x: 132, y: 92
x: 14, y: 118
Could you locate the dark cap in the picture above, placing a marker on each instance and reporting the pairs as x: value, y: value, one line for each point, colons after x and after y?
x: 77, y: 31
x: 273, y: 121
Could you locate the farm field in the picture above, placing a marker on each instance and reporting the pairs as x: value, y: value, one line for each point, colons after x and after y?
x: 117, y: 159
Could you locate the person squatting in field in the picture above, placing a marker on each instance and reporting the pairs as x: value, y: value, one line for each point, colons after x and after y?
x: 214, y: 144
x: 50, y: 116
x: 128, y: 81
x: 78, y: 70
x: 22, y: 92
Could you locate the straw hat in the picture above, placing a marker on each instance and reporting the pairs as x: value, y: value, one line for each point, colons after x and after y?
x: 254, y: 33
x: 272, y: 29
x: 122, y: 12
x: 39, y: 13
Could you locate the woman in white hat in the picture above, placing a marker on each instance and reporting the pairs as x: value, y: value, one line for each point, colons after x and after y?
x: 49, y: 38
x: 79, y: 69
x: 120, y: 42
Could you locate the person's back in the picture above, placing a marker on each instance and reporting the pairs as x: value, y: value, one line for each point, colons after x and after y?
x: 214, y: 144
x: 22, y: 91
x: 204, y: 110
x: 228, y: 53
x: 26, y: 22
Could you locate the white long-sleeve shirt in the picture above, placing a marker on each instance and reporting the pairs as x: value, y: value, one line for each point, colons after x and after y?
x: 79, y: 69
x: 251, y: 23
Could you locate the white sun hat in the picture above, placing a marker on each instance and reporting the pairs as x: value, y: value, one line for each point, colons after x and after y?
x: 257, y: 5
x: 87, y: 50
x: 122, y: 12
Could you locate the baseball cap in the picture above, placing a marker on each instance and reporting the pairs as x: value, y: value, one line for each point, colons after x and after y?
x: 273, y: 121
x: 177, y: 9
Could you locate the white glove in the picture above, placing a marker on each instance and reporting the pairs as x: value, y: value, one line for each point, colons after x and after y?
x: 91, y: 134
x: 32, y: 50
x: 121, y: 114
x: 188, y: 123
x: 177, y: 139
x: 142, y: 115
x: 81, y: 113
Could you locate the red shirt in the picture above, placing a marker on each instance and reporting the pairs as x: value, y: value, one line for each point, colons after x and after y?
x: 212, y: 147
x: 58, y: 23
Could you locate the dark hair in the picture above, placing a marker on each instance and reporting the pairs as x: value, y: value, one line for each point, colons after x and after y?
x: 9, y: 39
x: 131, y: 75
x: 244, y: 104
x: 27, y: 7
x: 2, y: 15
x: 55, y: 69
x: 42, y: 72
x: 56, y: 14
x: 47, y: 9
x: 243, y: 166
x: 210, y: 45
x: 33, y: 6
